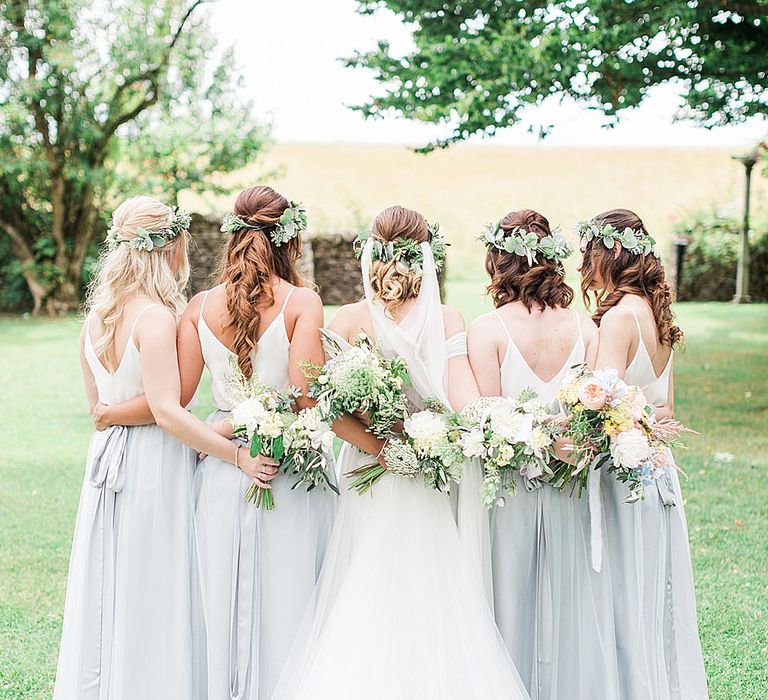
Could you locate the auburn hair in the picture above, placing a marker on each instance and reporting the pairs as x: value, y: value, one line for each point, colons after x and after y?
x: 249, y: 264
x: 393, y: 282
x: 624, y: 272
x: 541, y: 284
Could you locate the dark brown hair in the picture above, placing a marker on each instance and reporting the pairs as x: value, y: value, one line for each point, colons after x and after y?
x: 513, y: 279
x: 627, y: 273
x: 250, y: 261
x: 393, y: 282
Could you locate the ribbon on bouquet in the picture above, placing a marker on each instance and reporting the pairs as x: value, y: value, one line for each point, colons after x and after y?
x: 107, y: 453
x: 595, y: 514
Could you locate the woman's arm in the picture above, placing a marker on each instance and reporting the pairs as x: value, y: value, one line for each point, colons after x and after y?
x: 156, y: 340
x: 484, y: 357
x: 462, y: 387
x: 668, y: 409
x: 306, y: 343
x: 348, y: 427
x: 617, y: 331
x: 91, y: 392
x: 591, y: 335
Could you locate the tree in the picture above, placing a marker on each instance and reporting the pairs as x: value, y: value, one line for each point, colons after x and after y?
x: 478, y: 63
x: 85, y: 88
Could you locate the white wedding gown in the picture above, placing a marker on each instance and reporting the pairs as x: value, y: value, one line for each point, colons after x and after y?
x: 399, y: 613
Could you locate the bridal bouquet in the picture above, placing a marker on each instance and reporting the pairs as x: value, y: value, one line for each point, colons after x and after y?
x: 611, y: 423
x: 430, y: 448
x: 359, y: 379
x: 265, y: 418
x: 509, y: 436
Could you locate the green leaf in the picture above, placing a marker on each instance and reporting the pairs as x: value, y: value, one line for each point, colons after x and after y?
x: 256, y: 445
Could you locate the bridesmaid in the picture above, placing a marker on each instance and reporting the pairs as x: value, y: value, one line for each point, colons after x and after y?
x: 649, y: 558
x: 553, y: 610
x: 129, y: 621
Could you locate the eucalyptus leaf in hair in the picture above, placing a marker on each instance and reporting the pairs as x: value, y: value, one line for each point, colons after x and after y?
x: 636, y: 241
x: 147, y: 239
x: 526, y: 244
x: 292, y: 222
x: 405, y: 250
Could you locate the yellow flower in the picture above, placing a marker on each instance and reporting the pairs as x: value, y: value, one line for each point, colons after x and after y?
x: 568, y: 393
x: 618, y: 419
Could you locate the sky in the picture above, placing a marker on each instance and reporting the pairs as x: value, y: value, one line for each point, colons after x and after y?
x: 288, y: 52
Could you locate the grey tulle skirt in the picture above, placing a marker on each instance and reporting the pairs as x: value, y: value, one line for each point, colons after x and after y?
x: 553, y: 610
x: 131, y: 628
x: 649, y: 557
x: 258, y: 573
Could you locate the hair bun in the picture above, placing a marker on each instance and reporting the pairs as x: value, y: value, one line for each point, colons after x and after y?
x: 527, y: 219
x: 260, y: 205
x: 400, y: 222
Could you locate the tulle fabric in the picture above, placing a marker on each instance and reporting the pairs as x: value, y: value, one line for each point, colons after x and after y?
x: 659, y: 652
x: 396, y: 614
x: 131, y: 619
x: 258, y: 571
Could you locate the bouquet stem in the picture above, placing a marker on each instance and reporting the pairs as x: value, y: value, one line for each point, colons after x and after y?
x: 365, y: 477
x: 260, y: 497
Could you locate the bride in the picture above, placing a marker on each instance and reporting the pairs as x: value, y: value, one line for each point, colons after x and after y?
x: 398, y: 611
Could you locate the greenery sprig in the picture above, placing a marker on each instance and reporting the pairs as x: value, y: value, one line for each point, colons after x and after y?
x: 406, y: 250
x: 526, y: 244
x: 292, y: 222
x: 638, y: 242
x: 148, y: 239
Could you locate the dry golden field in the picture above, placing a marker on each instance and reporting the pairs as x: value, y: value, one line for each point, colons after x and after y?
x: 345, y: 185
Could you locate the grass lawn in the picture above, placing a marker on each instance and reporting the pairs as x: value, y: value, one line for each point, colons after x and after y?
x: 722, y: 391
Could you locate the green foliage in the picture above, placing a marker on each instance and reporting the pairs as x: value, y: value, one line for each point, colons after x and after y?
x: 709, y: 265
x: 478, y: 63
x: 98, y: 105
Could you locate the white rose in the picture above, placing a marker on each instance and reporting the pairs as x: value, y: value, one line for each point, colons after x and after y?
x: 630, y: 449
x: 248, y: 413
x: 271, y: 426
x: 425, y: 428
x: 472, y: 443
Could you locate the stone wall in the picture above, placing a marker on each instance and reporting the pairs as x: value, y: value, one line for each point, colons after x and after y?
x: 328, y: 261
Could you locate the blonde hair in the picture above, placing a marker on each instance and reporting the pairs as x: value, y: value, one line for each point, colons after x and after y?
x: 393, y: 282
x: 125, y: 272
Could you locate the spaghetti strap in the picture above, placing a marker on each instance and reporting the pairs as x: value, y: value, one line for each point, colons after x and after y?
x: 136, y: 320
x: 637, y: 323
x: 287, y: 299
x: 503, y: 325
x: 578, y: 324
x: 202, y: 306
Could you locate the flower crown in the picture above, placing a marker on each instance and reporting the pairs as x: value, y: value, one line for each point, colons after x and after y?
x: 526, y: 243
x: 147, y: 239
x: 406, y: 250
x: 292, y: 222
x: 638, y: 242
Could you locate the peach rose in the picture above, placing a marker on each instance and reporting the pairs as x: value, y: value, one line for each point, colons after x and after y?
x: 637, y: 402
x: 592, y: 395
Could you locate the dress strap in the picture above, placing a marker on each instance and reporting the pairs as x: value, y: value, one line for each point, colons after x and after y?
x: 136, y: 320
x: 503, y: 325
x: 578, y: 324
x: 287, y: 299
x: 637, y: 322
x: 202, y: 306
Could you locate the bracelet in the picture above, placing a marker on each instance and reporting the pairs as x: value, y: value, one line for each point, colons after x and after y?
x: 237, y: 454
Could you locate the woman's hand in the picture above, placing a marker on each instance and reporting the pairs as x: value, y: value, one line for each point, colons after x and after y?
x: 261, y: 469
x: 564, y: 450
x: 223, y: 427
x: 99, y: 416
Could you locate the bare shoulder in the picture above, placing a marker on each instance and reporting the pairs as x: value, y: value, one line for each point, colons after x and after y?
x: 453, y: 321
x: 485, y: 325
x: 617, y: 321
x: 195, y: 306
x: 304, y: 299
x: 349, y: 318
